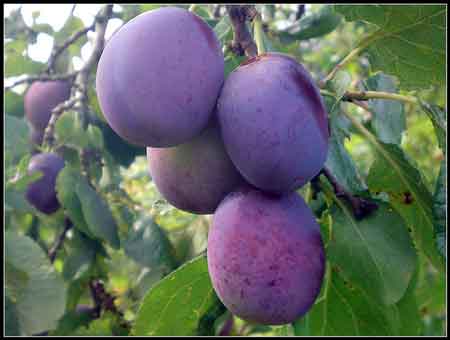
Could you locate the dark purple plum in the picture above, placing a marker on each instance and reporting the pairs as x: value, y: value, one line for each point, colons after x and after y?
x: 265, y: 256
x: 41, y: 193
x: 274, y: 123
x: 194, y: 176
x: 159, y: 77
x: 41, y: 98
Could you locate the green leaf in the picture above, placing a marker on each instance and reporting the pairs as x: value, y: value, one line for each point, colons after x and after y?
x: 440, y: 209
x: 12, y: 327
x: 148, y: 245
x: 409, y: 42
x: 339, y: 161
x: 42, y: 290
x: 314, y: 25
x: 80, y: 257
x: 438, y: 117
x: 17, y: 64
x: 388, y: 118
x: 407, y: 194
x: 95, y: 136
x: 175, y: 305
x: 97, y: 214
x: 14, y: 104
x: 16, y: 139
x: 68, y: 179
x: 375, y: 254
x: 232, y: 62
x: 340, y: 83
x: 72, y: 25
x: 69, y: 130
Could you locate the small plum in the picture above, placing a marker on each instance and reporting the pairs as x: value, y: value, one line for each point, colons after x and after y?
x: 265, y: 256
x: 194, y: 176
x: 41, y: 98
x: 41, y: 193
x: 159, y: 77
x: 274, y: 123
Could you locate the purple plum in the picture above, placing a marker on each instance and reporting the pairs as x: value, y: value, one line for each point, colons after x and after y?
x: 265, y: 256
x: 274, y: 123
x: 194, y: 176
x: 159, y: 77
x: 41, y: 98
x: 41, y: 193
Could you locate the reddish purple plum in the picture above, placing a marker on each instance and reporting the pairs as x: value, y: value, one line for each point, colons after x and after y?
x: 159, y: 77
x: 41, y: 193
x: 41, y: 98
x: 194, y: 176
x: 265, y: 255
x: 274, y: 123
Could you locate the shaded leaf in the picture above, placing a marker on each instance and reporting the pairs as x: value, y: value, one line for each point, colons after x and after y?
x: 43, y: 289
x: 438, y: 117
x: 375, y: 254
x: 388, y: 117
x: 440, y: 209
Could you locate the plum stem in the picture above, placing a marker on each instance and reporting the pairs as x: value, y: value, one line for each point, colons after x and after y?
x: 361, y: 207
x: 59, y: 240
x: 352, y: 96
x: 259, y: 34
x: 242, y: 39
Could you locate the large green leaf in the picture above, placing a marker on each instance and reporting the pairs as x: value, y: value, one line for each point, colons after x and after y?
x: 409, y: 41
x: 440, y: 209
x: 14, y: 104
x: 12, y: 327
x: 344, y: 310
x: 407, y: 194
x: 175, y: 305
x: 388, y: 118
x: 375, y: 253
x: 37, y: 291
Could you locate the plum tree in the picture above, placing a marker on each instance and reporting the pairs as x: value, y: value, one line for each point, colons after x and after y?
x: 159, y: 77
x: 41, y: 98
x: 265, y: 256
x: 274, y: 123
x: 197, y: 175
x: 41, y: 193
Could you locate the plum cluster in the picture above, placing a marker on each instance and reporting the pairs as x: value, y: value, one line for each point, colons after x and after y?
x: 237, y: 148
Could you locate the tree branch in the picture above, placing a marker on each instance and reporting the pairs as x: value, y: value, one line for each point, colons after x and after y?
x: 242, y: 39
x: 59, y: 241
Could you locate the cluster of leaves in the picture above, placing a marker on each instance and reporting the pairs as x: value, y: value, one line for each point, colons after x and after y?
x: 385, y: 272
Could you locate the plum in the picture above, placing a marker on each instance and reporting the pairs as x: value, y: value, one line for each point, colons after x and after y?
x: 159, y: 77
x: 274, y: 123
x: 197, y: 175
x: 265, y: 256
x: 41, y: 193
x: 41, y: 98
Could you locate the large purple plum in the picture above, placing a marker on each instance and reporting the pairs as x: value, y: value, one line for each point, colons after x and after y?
x: 41, y: 98
x: 159, y: 77
x: 197, y: 175
x: 274, y: 123
x: 265, y: 256
x: 41, y: 193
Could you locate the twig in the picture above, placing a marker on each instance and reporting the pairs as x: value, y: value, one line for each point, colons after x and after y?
x: 300, y: 12
x: 242, y: 39
x: 59, y: 241
x: 43, y: 77
x: 59, y: 49
x: 351, y: 96
x: 361, y: 207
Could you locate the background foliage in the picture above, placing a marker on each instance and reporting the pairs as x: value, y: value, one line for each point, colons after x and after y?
x: 133, y: 264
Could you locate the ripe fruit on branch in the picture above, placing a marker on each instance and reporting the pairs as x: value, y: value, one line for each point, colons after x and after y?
x: 194, y: 176
x: 159, y: 77
x: 41, y: 98
x: 265, y: 256
x: 274, y: 123
x: 41, y: 193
